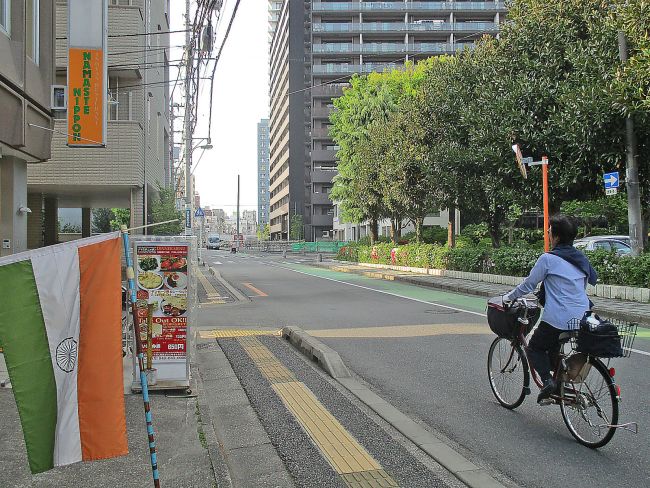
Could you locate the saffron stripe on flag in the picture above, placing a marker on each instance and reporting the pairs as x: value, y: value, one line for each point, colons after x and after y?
x: 27, y: 354
x: 100, y: 381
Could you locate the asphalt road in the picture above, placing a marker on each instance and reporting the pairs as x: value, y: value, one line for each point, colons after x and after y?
x: 425, y: 351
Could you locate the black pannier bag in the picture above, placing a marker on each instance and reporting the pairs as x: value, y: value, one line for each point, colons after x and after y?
x: 502, y: 321
x: 599, y: 338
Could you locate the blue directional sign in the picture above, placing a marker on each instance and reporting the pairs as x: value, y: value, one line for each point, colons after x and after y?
x: 199, y: 212
x: 611, y: 180
x: 188, y: 218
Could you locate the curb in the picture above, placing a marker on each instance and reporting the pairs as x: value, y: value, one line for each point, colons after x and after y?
x: 315, y: 350
x: 473, y: 476
x: 235, y: 292
x: 217, y: 459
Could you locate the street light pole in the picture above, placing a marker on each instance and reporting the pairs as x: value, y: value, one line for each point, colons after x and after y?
x: 635, y: 224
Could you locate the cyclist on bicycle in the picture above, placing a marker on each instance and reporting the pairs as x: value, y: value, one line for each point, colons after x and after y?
x: 564, y: 273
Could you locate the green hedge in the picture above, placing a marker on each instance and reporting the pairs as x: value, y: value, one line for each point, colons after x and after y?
x: 512, y: 261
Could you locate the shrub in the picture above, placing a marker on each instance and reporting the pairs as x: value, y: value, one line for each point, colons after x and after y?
x: 612, y: 269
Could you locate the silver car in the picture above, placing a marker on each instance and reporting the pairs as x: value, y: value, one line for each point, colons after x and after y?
x: 618, y: 244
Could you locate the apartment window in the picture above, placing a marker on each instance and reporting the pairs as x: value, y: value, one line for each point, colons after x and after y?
x: 5, y: 17
x: 32, y: 31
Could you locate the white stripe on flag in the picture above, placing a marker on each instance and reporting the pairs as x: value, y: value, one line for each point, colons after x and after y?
x: 57, y: 280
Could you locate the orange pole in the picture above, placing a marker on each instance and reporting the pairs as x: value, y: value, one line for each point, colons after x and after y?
x: 547, y: 244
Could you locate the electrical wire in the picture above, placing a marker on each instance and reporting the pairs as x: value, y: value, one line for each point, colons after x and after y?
x: 157, y: 33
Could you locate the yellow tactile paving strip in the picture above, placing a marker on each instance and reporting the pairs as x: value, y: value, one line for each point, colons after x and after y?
x: 210, y: 290
x: 228, y: 333
x: 357, y: 468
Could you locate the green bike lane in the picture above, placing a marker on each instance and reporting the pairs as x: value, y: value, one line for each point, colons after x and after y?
x: 463, y: 303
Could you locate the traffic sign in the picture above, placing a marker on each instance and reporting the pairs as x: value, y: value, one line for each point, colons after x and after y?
x: 611, y: 180
x: 611, y: 191
x: 188, y: 218
x: 199, y: 212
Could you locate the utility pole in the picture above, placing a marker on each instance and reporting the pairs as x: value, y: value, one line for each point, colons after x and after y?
x: 635, y: 223
x: 237, y: 206
x: 189, y: 62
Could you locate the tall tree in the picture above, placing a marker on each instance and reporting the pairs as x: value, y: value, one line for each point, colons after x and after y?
x: 101, y: 221
x: 164, y: 209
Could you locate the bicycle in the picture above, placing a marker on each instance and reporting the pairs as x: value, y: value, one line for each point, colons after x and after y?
x: 588, y: 395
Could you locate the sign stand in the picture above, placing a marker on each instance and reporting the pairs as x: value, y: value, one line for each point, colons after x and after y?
x: 164, y: 272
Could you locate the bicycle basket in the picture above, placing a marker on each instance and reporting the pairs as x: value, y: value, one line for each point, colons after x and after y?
x: 603, y: 338
x: 501, y: 320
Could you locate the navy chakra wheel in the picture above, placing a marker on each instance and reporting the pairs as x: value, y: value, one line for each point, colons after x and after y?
x: 66, y: 354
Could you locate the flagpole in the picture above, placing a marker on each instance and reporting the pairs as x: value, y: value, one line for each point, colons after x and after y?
x: 130, y: 274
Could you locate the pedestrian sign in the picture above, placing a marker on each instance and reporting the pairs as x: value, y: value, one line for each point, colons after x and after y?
x: 199, y: 212
x: 611, y: 180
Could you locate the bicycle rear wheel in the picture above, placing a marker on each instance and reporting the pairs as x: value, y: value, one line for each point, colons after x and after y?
x: 590, y: 408
x: 508, y: 372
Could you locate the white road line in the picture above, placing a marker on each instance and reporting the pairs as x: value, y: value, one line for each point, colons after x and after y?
x: 385, y: 292
x: 640, y: 352
x: 217, y: 262
x: 230, y: 262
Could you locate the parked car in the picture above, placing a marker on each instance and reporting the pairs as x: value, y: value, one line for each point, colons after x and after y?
x: 619, y: 244
x: 214, y: 242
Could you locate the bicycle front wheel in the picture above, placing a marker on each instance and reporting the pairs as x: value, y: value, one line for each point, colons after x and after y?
x: 508, y: 372
x: 590, y: 408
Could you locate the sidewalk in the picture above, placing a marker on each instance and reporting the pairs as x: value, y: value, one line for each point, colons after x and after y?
x: 183, y: 458
x: 608, y: 307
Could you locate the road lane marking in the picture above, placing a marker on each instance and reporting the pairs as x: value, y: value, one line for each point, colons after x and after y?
x: 396, y: 331
x: 227, y: 333
x: 217, y: 262
x: 259, y: 292
x: 383, y: 291
x: 355, y: 465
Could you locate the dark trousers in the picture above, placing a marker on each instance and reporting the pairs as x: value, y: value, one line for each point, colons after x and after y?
x: 543, y: 347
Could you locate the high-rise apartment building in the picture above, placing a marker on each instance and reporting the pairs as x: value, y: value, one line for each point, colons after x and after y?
x: 315, y: 47
x: 263, y: 172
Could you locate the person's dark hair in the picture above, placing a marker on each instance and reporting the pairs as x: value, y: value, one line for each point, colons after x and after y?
x: 564, y: 228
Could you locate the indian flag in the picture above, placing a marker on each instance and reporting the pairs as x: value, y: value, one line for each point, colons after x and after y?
x: 60, y: 327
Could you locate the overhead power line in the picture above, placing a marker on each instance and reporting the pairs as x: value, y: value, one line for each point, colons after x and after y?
x: 157, y: 33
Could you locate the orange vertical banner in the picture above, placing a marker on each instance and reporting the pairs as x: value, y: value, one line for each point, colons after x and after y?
x: 86, y: 97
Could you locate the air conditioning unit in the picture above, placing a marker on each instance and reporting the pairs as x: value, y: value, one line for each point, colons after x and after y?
x: 58, y: 97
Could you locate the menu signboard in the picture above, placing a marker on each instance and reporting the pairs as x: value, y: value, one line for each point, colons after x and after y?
x: 162, y: 279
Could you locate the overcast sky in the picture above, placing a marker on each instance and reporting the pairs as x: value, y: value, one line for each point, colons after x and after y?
x: 240, y: 100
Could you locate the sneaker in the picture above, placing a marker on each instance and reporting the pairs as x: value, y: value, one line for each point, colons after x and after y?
x: 547, y: 390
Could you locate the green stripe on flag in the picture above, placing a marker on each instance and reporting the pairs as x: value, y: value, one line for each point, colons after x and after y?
x: 27, y: 354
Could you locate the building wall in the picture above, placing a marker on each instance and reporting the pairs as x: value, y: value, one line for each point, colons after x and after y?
x: 25, y: 86
x: 263, y: 172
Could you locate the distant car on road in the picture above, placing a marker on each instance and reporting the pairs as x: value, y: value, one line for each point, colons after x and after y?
x: 618, y: 244
x: 214, y: 242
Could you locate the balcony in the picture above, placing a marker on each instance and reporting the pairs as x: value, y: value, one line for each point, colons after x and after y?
x: 320, y: 112
x: 324, y: 7
x: 320, y: 199
x: 400, y: 27
x: 323, y: 155
x: 320, y: 133
x: 322, y: 176
x: 336, y: 69
x: 333, y: 90
x: 322, y: 220
x: 382, y: 48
